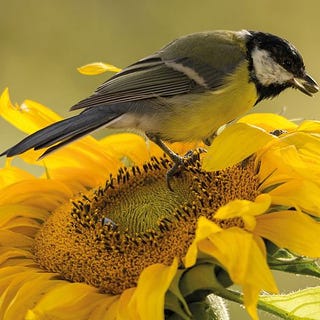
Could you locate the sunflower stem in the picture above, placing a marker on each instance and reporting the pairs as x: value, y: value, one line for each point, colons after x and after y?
x: 238, y: 298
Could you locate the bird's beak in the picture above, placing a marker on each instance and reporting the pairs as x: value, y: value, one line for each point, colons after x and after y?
x: 306, y: 85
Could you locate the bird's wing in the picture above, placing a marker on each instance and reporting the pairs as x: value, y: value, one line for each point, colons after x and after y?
x: 154, y: 77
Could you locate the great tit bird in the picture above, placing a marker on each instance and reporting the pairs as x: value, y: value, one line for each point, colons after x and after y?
x: 185, y: 91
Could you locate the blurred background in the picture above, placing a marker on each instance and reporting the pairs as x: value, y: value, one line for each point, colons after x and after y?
x: 43, y: 42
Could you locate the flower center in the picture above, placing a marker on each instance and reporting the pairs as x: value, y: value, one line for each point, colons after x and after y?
x: 139, y: 200
x: 109, y: 235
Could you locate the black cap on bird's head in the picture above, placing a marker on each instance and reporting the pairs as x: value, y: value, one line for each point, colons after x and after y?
x: 275, y: 64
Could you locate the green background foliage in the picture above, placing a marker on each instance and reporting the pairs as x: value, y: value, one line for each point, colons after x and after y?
x: 43, y: 42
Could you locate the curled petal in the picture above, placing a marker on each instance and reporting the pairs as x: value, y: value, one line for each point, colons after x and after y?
x: 268, y: 121
x: 29, y: 117
x: 299, y: 193
x: 311, y: 126
x: 223, y: 153
x: 147, y: 301
x: 204, y: 229
x: 247, y: 267
x: 245, y: 209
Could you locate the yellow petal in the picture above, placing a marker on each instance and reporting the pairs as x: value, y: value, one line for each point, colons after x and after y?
x: 29, y: 117
x: 80, y: 179
x: 300, y: 193
x: 23, y: 225
x: 97, y: 68
x: 13, y: 239
x: 40, y: 193
x: 245, y: 209
x: 79, y: 302
x: 84, y: 153
x: 139, y: 149
x: 242, y: 264
x: 10, y: 175
x: 261, y: 244
x: 147, y: 301
x: 7, y: 254
x: 268, y: 121
x: 296, y: 164
x: 7, y: 274
x: 10, y: 278
x: 32, y: 116
x: 239, y: 254
x: 121, y: 312
x: 204, y: 229
x: 250, y: 300
x: 310, y: 126
x: 106, y: 311
x: 12, y: 287
x: 26, y: 294
x: 303, y: 140
x: 136, y: 147
x: 22, y: 261
x: 234, y: 144
x: 285, y: 162
x: 292, y: 230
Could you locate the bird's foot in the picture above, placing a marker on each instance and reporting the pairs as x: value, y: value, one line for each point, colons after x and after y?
x: 179, y: 163
x: 183, y: 162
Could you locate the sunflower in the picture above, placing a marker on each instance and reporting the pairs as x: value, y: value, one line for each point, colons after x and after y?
x: 100, y: 236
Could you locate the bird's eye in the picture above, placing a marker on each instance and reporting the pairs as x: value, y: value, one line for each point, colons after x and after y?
x: 287, y: 63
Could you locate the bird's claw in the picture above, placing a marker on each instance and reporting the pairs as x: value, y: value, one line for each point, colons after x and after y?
x: 181, y: 163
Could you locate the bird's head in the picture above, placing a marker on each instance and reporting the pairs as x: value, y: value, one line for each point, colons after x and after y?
x: 275, y: 64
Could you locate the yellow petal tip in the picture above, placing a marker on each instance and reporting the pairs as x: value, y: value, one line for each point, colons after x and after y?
x: 97, y: 68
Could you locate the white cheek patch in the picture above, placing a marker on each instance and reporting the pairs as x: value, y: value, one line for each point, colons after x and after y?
x: 267, y: 70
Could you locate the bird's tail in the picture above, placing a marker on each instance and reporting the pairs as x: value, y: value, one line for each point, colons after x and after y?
x: 63, y: 132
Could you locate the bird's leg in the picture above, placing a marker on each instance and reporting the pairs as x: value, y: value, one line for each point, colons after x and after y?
x: 178, y: 161
x: 173, y: 156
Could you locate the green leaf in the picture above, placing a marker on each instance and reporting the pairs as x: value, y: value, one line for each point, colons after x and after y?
x: 300, y: 305
x: 284, y: 260
x: 174, y: 298
x: 173, y: 304
x: 187, y: 297
x: 300, y: 265
x: 199, y: 278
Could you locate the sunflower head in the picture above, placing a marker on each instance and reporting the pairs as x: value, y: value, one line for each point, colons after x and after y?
x: 135, y: 217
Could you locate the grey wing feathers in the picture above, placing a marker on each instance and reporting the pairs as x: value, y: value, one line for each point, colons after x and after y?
x: 148, y: 78
x: 163, y: 74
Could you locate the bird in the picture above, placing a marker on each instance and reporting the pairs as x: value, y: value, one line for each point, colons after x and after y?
x: 184, y: 92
